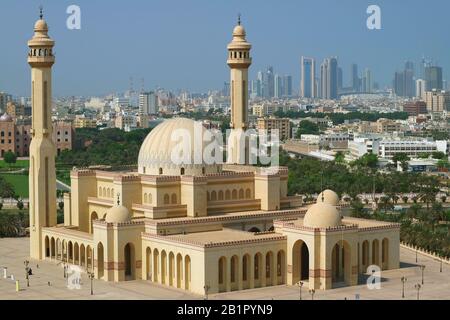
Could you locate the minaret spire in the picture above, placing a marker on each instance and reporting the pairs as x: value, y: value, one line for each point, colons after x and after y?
x: 41, y: 12
x: 239, y: 19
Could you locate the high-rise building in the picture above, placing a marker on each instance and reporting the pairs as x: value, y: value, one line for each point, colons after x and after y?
x: 433, y: 78
x: 42, y: 176
x: 329, y: 79
x: 367, y: 81
x: 308, y: 78
x: 438, y: 101
x: 270, y: 83
x: 287, y: 86
x: 239, y: 61
x: 355, y: 78
x: 148, y: 103
x: 226, y: 89
x: 339, y: 78
x: 421, y: 88
x: 403, y: 84
x: 278, y: 83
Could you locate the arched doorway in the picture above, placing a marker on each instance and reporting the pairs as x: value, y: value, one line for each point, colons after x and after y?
x: 100, y: 261
x: 365, y: 256
x: 376, y: 252
x: 257, y: 265
x: 222, y: 274
x: 148, y: 261
x: 70, y: 252
x: 385, y: 254
x: 254, y: 229
x: 82, y: 256
x: 52, y: 248
x: 179, y: 270
x: 129, y: 262
x: 47, y: 247
x: 234, y: 272
x: 246, y: 271
x: 155, y: 265
x: 163, y: 266
x: 281, y: 267
x: 268, y: 269
x: 171, y: 268
x: 94, y: 216
x: 300, y: 262
x: 76, y: 254
x: 187, y: 272
x: 341, y: 264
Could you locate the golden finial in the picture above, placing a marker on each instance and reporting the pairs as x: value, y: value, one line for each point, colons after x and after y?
x: 41, y: 12
x: 239, y: 19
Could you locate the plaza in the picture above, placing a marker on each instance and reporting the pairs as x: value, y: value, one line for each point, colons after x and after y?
x: 14, y: 251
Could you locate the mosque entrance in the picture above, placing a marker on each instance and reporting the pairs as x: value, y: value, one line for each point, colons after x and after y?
x: 340, y: 264
x: 129, y: 262
x: 300, y: 262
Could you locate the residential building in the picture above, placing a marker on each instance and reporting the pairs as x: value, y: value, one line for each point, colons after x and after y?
x: 283, y: 126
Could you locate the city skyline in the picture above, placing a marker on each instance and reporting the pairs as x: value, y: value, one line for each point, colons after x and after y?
x: 170, y: 57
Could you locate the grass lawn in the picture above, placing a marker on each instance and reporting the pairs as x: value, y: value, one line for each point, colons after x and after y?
x: 19, y: 182
x: 19, y: 164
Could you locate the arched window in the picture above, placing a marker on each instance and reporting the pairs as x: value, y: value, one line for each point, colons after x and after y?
x: 99, y: 191
x: 108, y: 193
x: 241, y: 194
x: 160, y: 171
x: 248, y: 194
x: 227, y: 195
x: 166, y: 199
x: 234, y: 194
x: 174, y: 198
x: 203, y: 170
x: 182, y: 171
x: 220, y: 195
x: 145, y: 198
x: 150, y: 198
x: 213, y: 195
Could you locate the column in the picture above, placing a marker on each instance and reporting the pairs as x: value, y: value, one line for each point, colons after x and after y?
x: 262, y: 270
x: 251, y: 271
x: 228, y: 274
x: 274, y: 270
x: 240, y: 273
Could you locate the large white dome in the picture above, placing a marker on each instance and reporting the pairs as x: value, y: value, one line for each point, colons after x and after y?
x: 162, y: 152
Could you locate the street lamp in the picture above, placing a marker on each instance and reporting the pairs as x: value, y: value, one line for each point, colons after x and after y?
x: 312, y: 291
x: 300, y: 285
x: 27, y: 272
x: 418, y: 286
x: 440, y: 267
x: 422, y: 268
x: 91, y: 277
x: 404, y: 279
x: 416, y: 254
x: 206, y: 288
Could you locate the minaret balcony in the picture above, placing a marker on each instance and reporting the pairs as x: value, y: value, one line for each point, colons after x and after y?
x: 44, y: 61
x: 239, y: 62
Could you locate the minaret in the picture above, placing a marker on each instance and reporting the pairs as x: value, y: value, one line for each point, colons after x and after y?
x: 42, y: 175
x: 239, y: 61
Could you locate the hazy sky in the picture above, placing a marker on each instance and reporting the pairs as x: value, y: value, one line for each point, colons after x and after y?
x: 182, y: 43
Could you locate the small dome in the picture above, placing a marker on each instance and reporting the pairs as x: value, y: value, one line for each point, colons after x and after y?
x: 329, y: 197
x: 118, y: 214
x: 239, y: 31
x: 322, y: 215
x: 6, y: 118
x: 41, y: 25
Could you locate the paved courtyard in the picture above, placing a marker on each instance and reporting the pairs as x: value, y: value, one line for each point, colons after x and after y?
x: 48, y: 282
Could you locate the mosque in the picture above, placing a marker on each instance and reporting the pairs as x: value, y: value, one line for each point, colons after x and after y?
x: 200, y: 227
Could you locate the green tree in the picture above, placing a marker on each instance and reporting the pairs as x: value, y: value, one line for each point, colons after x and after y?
x: 403, y: 158
x: 339, y: 157
x: 438, y: 155
x: 10, y: 157
x: 20, y: 204
x: 307, y: 127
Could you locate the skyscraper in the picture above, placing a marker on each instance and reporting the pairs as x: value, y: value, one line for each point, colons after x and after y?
x: 339, y: 78
x: 403, y: 84
x: 355, y: 78
x: 421, y: 89
x: 270, y: 82
x: 433, y: 78
x: 287, y: 85
x: 329, y: 79
x: 367, y: 82
x: 308, y: 78
x: 278, y: 89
